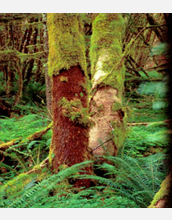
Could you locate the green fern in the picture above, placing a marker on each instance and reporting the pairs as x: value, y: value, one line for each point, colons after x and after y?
x: 41, y: 189
x: 137, y: 179
x: 133, y: 184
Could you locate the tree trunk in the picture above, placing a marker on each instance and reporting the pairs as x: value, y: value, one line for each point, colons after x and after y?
x: 47, y: 77
x: 108, y: 74
x: 67, y: 66
x: 20, y: 84
x: 162, y: 198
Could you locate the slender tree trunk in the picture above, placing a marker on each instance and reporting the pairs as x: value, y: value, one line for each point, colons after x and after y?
x: 156, y: 29
x: 47, y: 77
x: 108, y: 74
x: 67, y: 67
x: 20, y: 85
x: 9, y: 83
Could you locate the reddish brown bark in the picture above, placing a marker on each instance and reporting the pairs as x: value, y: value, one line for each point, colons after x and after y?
x: 70, y: 140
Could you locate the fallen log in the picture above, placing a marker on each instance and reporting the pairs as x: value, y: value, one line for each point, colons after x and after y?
x: 4, y: 146
x: 36, y: 136
x: 148, y: 123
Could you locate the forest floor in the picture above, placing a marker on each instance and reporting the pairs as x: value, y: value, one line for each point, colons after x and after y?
x: 131, y: 179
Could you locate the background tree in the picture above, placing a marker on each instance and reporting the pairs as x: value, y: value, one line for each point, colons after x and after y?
x: 47, y: 77
x: 22, y: 57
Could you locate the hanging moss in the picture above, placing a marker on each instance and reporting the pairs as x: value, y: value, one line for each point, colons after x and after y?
x: 8, y: 54
x: 106, y: 50
x: 66, y: 42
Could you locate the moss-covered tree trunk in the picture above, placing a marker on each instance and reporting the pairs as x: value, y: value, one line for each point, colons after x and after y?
x: 108, y: 74
x: 163, y: 197
x: 67, y: 66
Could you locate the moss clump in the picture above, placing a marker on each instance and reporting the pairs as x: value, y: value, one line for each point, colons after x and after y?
x: 66, y: 42
x: 75, y: 112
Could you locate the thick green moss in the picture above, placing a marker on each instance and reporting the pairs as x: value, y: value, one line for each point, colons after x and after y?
x: 106, y: 46
x: 66, y: 42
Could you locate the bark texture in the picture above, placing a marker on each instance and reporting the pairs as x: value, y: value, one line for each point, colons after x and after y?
x: 70, y: 138
x: 108, y: 74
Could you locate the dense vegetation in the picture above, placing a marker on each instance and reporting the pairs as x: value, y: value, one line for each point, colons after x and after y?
x: 129, y: 180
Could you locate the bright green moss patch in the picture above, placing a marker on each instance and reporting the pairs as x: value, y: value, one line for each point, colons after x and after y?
x: 66, y: 42
x: 106, y: 47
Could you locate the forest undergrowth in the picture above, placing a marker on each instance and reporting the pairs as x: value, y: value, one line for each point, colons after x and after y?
x: 129, y: 180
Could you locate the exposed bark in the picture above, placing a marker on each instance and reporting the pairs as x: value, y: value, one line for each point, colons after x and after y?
x: 70, y: 139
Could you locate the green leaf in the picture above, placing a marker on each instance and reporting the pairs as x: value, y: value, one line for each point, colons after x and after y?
x: 81, y: 94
